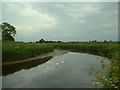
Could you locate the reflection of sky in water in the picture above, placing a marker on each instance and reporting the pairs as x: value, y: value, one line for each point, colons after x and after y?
x: 73, y: 73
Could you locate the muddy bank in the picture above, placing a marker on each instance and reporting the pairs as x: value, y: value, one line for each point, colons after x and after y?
x: 52, y: 54
x: 11, y: 67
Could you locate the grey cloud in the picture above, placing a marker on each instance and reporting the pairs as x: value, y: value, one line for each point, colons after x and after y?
x: 64, y: 21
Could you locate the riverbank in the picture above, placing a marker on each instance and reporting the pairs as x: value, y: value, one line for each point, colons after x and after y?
x: 107, y: 49
x: 18, y: 50
x: 49, y: 54
x: 13, y: 66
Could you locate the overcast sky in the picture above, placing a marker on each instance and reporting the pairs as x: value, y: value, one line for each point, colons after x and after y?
x: 66, y: 21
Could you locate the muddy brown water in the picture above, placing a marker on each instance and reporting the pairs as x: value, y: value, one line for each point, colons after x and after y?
x: 58, y: 69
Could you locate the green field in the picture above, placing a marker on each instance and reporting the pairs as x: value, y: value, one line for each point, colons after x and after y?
x: 19, y: 50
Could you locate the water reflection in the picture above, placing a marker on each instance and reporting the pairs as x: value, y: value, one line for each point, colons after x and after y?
x: 9, y: 69
x: 100, y: 77
x: 72, y: 72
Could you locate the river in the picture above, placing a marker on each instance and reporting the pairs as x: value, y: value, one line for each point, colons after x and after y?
x: 61, y: 70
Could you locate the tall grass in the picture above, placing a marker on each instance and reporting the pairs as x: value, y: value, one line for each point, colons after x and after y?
x: 108, y: 49
x: 19, y: 50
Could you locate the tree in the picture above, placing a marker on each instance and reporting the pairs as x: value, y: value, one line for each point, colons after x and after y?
x: 105, y: 40
x: 37, y: 41
x: 8, y: 31
x: 42, y: 41
x: 59, y: 41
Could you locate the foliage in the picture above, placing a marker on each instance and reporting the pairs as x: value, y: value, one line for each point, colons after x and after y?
x: 99, y: 48
x: 19, y: 50
x: 106, y: 77
x: 8, y: 31
x: 42, y: 41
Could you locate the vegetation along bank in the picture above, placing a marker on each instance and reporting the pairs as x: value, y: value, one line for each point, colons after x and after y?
x: 18, y: 50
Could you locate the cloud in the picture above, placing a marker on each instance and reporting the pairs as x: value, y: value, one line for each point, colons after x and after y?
x: 66, y: 35
x: 63, y: 21
x: 60, y: 0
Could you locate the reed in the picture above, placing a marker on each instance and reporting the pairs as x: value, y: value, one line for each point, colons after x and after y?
x: 19, y: 50
x: 108, y: 49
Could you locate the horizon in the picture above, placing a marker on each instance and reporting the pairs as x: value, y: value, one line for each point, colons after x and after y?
x: 73, y: 41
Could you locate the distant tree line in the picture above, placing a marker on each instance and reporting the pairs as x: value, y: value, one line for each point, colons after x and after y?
x: 43, y: 41
x: 99, y: 41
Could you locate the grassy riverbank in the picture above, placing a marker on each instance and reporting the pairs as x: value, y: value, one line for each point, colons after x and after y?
x: 108, y: 49
x: 19, y: 50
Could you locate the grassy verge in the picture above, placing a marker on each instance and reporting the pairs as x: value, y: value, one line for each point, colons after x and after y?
x: 19, y: 50
x: 108, y: 49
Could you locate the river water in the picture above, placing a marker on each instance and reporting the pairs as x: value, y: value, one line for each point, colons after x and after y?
x: 68, y: 70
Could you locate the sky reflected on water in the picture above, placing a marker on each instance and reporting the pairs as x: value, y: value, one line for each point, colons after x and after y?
x: 73, y: 73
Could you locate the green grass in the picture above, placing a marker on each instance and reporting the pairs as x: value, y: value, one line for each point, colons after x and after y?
x: 19, y: 50
x: 108, y: 49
